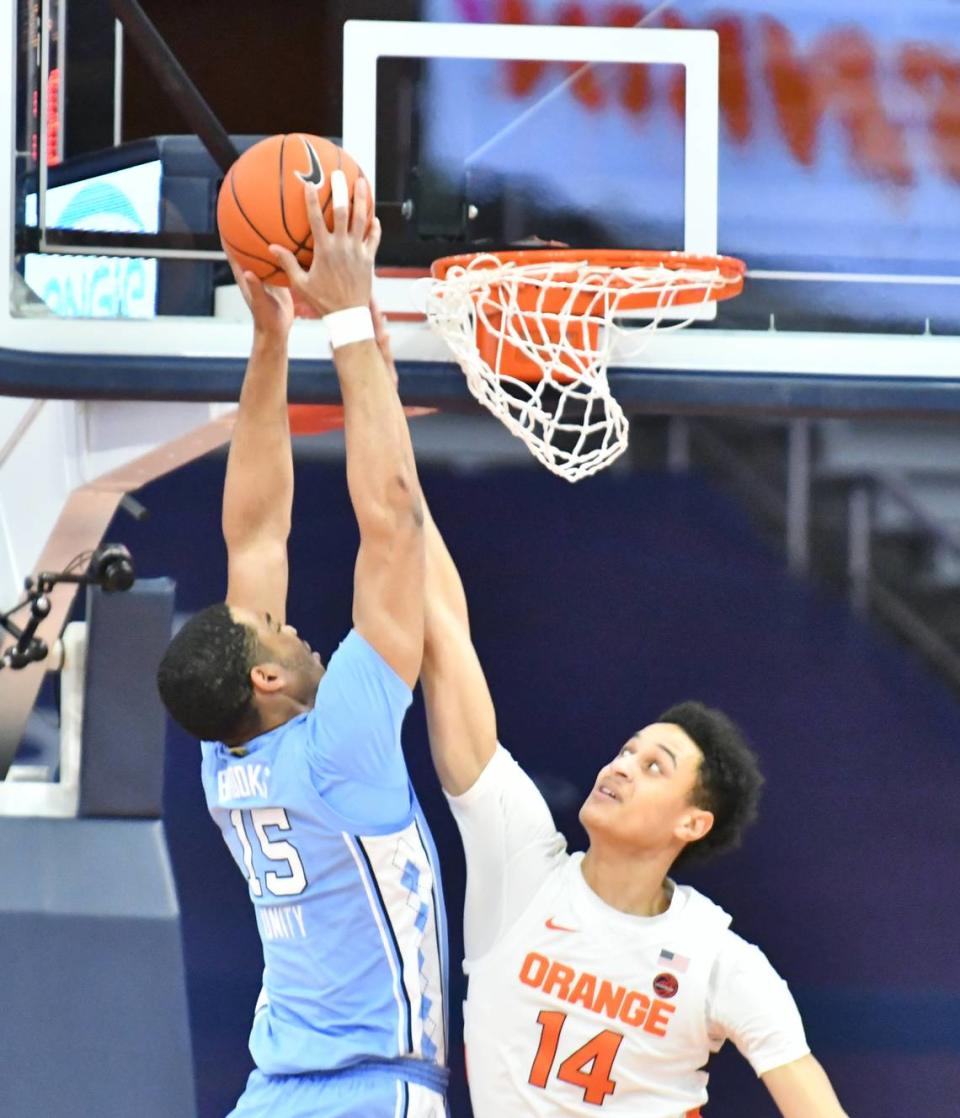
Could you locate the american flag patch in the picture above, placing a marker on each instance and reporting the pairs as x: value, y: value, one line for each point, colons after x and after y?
x: 673, y: 961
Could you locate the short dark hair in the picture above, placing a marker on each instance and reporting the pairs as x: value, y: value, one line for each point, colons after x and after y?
x: 204, y: 676
x: 729, y: 782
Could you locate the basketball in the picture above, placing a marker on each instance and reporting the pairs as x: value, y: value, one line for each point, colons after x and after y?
x: 261, y: 200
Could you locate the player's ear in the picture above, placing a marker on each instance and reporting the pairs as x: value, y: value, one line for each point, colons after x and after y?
x: 267, y: 677
x: 694, y: 824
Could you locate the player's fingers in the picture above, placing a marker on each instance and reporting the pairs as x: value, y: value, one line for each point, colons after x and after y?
x: 340, y: 194
x: 239, y: 276
x: 361, y: 206
x: 289, y: 263
x: 235, y: 268
x: 254, y: 286
x: 281, y: 295
x: 303, y: 309
x: 372, y: 242
x: 262, y: 295
x: 318, y: 225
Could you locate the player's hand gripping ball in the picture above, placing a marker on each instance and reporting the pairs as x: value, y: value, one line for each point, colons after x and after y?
x: 261, y: 201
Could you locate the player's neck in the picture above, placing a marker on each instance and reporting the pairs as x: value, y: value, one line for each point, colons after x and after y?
x: 270, y: 715
x: 636, y: 886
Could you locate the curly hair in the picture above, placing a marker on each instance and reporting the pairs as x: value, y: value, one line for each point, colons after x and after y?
x: 729, y: 780
x: 204, y: 676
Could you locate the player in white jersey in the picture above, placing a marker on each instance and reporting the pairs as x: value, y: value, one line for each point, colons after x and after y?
x: 596, y: 983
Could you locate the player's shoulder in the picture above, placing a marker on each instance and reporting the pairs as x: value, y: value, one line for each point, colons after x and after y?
x: 358, y: 663
x: 211, y: 754
x: 740, y: 960
x: 700, y: 911
x: 734, y: 952
x: 352, y: 649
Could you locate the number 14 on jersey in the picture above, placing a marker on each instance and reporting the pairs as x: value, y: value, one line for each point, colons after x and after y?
x: 590, y: 1067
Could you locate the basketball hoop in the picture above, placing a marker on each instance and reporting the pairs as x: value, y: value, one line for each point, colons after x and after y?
x: 533, y: 331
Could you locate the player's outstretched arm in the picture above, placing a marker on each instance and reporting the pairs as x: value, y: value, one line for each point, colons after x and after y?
x: 461, y: 719
x: 258, y: 490
x: 381, y: 474
x: 801, y: 1089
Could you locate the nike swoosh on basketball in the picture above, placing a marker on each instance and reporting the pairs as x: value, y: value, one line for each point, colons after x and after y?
x: 559, y: 927
x: 316, y: 170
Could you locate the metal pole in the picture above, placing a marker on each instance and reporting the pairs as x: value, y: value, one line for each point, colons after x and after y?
x: 858, y: 548
x: 175, y: 82
x: 117, y: 83
x: 43, y: 118
x: 798, y: 496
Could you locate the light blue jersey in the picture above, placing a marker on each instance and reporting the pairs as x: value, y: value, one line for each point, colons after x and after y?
x: 321, y: 819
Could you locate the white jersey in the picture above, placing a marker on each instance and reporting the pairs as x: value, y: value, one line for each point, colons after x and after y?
x: 574, y: 1005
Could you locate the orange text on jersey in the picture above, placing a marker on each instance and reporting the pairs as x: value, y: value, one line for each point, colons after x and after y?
x: 598, y: 995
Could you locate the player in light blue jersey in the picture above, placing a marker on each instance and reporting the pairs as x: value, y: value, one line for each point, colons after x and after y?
x: 302, y: 766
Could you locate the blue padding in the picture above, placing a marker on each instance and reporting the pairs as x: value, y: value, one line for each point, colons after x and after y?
x: 95, y: 376
x: 655, y: 390
x: 124, y: 723
x: 95, y: 1017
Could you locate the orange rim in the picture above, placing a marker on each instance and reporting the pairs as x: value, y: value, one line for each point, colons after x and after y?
x: 560, y: 308
x: 730, y: 268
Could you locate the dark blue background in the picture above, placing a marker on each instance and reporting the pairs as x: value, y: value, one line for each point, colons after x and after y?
x: 595, y: 607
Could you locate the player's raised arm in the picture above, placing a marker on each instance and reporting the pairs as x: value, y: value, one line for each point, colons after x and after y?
x: 381, y: 475
x: 258, y: 491
x: 801, y: 1089
x: 460, y: 714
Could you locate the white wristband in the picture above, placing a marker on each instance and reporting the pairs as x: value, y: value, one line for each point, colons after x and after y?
x: 355, y: 324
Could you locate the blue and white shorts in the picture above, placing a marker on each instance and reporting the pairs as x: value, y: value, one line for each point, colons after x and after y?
x: 388, y: 1089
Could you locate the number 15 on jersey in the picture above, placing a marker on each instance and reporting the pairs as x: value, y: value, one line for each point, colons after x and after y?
x: 286, y: 876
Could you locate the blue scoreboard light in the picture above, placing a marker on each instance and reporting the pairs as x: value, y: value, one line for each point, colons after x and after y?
x: 141, y: 221
x: 126, y: 200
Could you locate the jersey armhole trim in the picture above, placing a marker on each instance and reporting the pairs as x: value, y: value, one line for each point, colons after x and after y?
x: 784, y: 1063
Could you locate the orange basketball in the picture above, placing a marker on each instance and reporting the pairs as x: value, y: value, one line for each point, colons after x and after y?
x: 261, y: 201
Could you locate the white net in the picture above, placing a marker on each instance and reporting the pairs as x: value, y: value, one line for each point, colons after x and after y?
x: 535, y: 339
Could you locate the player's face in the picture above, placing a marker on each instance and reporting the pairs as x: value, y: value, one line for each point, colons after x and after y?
x: 641, y: 800
x: 281, y: 644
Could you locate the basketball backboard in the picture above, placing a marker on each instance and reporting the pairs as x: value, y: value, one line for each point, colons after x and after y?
x: 812, y: 140
x: 827, y: 147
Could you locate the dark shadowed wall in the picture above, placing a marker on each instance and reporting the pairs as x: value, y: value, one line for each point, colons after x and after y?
x: 594, y: 608
x: 241, y: 55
